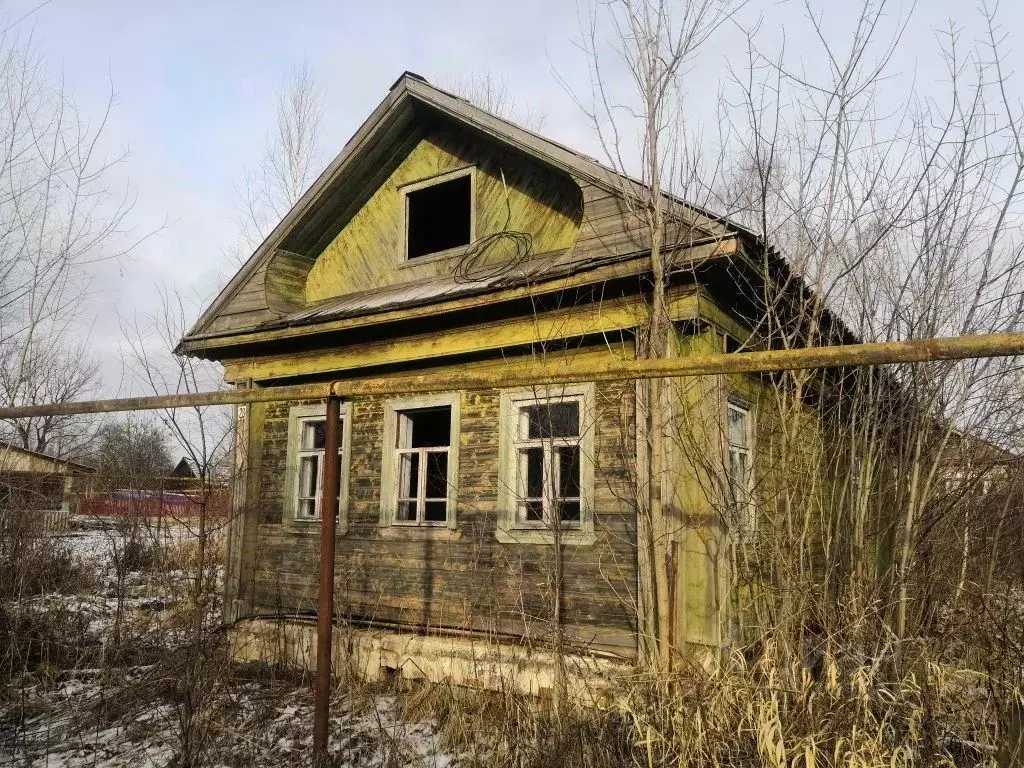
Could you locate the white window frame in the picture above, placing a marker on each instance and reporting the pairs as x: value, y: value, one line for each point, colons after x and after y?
x: 747, y: 517
x: 415, y: 186
x: 512, y: 530
x: 298, y: 415
x: 393, y: 410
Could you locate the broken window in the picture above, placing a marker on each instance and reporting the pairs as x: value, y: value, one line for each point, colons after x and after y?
x: 740, y: 469
x: 546, y: 456
x: 310, y: 460
x: 423, y: 444
x: 439, y: 216
x: 547, y: 448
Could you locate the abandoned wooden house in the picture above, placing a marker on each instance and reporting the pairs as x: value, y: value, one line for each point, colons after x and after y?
x: 445, y: 239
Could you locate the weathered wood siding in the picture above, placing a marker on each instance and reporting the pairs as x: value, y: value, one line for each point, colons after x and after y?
x: 471, y: 582
x: 557, y: 212
x: 370, y: 251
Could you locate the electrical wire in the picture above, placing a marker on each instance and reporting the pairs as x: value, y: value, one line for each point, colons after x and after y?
x: 473, y: 265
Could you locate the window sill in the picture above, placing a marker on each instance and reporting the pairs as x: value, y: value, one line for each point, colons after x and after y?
x: 432, y: 258
x: 576, y: 537
x: 305, y: 523
x: 418, y: 533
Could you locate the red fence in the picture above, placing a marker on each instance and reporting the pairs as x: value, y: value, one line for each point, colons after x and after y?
x: 158, y: 504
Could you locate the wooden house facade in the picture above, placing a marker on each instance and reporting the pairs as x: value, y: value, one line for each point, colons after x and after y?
x: 444, y: 239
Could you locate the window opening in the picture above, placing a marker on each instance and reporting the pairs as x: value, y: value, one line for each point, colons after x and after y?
x: 548, y: 456
x: 438, y: 217
x: 312, y: 434
x: 740, y: 477
x: 423, y: 445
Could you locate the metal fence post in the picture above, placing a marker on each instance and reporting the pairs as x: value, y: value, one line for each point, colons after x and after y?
x: 325, y: 604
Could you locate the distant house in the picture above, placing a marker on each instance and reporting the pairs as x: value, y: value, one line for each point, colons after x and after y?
x: 16, y: 459
x: 30, y: 480
x: 183, y: 469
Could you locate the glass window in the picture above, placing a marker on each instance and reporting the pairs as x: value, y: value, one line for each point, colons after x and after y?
x: 422, y: 452
x: 310, y: 456
x: 740, y: 467
x: 547, y: 446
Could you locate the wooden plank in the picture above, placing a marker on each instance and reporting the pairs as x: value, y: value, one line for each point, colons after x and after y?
x: 473, y: 582
x: 573, y: 322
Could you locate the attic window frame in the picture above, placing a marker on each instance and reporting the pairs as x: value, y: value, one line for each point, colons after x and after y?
x: 432, y: 181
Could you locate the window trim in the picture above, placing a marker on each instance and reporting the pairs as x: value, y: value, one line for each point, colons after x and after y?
x: 389, y: 464
x: 734, y: 403
x: 297, y: 415
x: 510, y: 529
x: 415, y: 186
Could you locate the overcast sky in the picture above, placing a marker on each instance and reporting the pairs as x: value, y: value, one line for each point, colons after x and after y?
x: 194, y: 87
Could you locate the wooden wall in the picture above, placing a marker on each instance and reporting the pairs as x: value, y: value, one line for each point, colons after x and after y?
x: 512, y: 194
x: 471, y: 582
x: 558, y: 213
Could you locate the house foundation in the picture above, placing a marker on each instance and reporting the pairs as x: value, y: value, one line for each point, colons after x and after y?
x: 472, y: 662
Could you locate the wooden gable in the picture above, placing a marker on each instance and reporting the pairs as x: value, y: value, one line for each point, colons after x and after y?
x: 345, y: 237
x: 520, y: 208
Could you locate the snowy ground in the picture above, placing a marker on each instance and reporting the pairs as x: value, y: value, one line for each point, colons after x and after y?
x: 258, y: 723
x: 169, y: 697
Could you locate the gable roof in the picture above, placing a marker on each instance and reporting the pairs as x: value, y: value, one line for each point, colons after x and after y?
x: 368, y: 157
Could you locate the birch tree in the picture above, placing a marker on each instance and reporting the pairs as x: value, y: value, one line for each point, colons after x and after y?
x: 291, y: 159
x: 655, y: 42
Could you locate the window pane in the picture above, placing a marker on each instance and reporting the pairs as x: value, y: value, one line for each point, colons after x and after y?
x: 570, y: 511
x: 408, y: 475
x: 531, y: 511
x: 435, y: 511
x: 552, y: 420
x: 406, y: 511
x: 312, y: 435
x: 568, y: 471
x: 738, y: 474
x: 427, y: 428
x: 737, y: 427
x: 437, y: 475
x: 307, y: 508
x: 309, y: 470
x: 531, y: 473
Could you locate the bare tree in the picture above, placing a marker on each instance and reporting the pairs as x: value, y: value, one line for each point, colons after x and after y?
x: 52, y: 373
x: 58, y: 217
x: 291, y: 159
x: 856, y: 523
x: 132, y: 450
x: 202, y: 433
x: 657, y: 42
x: 490, y: 93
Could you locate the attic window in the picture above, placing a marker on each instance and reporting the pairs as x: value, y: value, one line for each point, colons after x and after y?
x: 439, y: 214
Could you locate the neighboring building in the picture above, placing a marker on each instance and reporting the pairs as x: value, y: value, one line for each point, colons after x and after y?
x: 16, y: 459
x: 445, y: 239
x: 183, y: 469
x: 30, y: 480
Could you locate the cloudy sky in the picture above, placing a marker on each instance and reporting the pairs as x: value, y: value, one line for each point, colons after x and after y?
x: 194, y: 87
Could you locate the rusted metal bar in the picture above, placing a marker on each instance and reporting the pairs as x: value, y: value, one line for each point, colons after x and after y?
x: 186, y: 400
x: 325, y: 604
x: 849, y: 355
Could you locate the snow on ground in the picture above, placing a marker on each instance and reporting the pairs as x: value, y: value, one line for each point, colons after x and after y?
x: 260, y: 724
x: 115, y: 716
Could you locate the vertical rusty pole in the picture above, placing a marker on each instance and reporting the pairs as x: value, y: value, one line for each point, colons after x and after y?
x: 325, y: 605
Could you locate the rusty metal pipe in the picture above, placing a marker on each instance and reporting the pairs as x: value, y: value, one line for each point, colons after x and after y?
x: 849, y: 355
x: 325, y: 602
